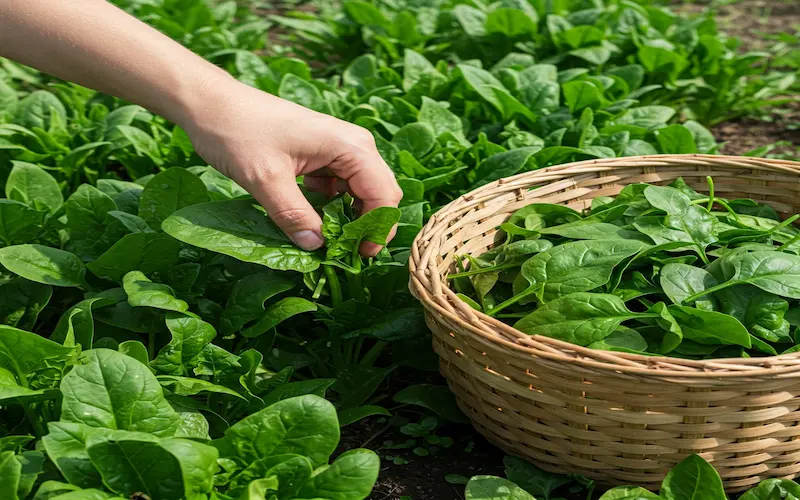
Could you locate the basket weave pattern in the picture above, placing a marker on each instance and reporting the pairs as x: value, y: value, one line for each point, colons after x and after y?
x: 614, y: 417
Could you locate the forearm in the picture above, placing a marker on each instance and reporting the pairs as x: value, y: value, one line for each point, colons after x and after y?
x: 95, y: 44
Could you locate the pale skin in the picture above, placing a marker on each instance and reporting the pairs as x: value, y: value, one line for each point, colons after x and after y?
x: 260, y: 141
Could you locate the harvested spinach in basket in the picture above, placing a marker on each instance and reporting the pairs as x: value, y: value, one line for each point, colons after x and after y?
x: 655, y: 270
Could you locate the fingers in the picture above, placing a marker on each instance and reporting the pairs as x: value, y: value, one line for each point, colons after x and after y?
x: 329, y: 186
x: 277, y: 191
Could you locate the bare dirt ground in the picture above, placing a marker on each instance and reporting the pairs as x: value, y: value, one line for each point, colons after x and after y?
x: 752, y: 21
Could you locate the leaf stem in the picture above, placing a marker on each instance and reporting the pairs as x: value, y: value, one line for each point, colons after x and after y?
x: 710, y: 193
x: 788, y: 243
x: 38, y: 429
x: 151, y: 345
x: 334, y: 286
x: 713, y: 289
x: 510, y: 302
x: 372, y: 355
x: 473, y: 272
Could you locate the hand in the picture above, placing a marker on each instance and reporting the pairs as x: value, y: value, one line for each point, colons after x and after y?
x: 263, y: 143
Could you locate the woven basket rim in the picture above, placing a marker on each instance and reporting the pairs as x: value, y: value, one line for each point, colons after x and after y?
x: 436, y: 296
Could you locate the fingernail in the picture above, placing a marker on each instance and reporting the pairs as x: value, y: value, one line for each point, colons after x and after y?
x: 307, y: 240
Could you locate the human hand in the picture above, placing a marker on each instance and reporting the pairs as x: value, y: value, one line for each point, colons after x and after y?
x: 263, y: 143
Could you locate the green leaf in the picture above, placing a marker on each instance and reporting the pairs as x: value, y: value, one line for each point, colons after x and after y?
x: 436, y: 398
x: 316, y: 387
x: 494, y: 488
x: 675, y: 139
x: 710, y: 327
x: 21, y: 301
x: 144, y: 252
x: 135, y: 462
x: 439, y: 118
x: 512, y: 23
x: 42, y: 264
x: 277, y: 313
x: 350, y: 477
x: 580, y: 318
x: 168, y: 192
x: 144, y: 293
x: 18, y: 222
x: 416, y: 138
x: 681, y: 281
x: 66, y: 448
x: 773, y: 272
x: 693, y: 477
x: 504, y: 164
x: 246, y: 300
x: 190, y: 336
x: 237, y: 229
x: 188, y: 386
x: 531, y: 478
x: 33, y: 186
x: 295, y: 89
x: 577, y: 266
x: 353, y: 415
x: 314, y: 431
x: 629, y: 493
x: 581, y: 94
x: 114, y: 391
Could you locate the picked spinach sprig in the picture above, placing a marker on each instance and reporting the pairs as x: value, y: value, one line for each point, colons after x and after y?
x: 655, y: 270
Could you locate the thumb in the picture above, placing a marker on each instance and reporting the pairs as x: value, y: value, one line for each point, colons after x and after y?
x: 289, y: 209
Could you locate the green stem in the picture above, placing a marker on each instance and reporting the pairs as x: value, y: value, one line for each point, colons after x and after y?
x: 38, y: 429
x: 481, y: 271
x: 713, y: 289
x: 710, y: 193
x: 334, y: 286
x: 151, y: 345
x: 510, y: 302
x: 372, y: 355
x: 786, y: 245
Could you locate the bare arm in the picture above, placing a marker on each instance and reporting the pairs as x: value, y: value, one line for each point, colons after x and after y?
x: 260, y: 141
x: 97, y: 45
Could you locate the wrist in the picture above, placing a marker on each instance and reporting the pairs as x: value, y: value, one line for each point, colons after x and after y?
x: 195, y: 99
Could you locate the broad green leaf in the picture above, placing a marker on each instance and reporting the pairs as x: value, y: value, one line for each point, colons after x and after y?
x: 512, y: 23
x: 353, y: 415
x: 246, y: 300
x: 531, y: 478
x: 504, y: 164
x: 629, y: 493
x: 710, y: 327
x: 439, y: 399
x: 188, y: 386
x: 314, y: 431
x: 40, y: 109
x: 21, y: 301
x: 145, y: 252
x: 135, y: 462
x: 580, y: 318
x: 42, y: 264
x: 66, y: 447
x: 277, y: 313
x: 494, y: 488
x: 168, y: 192
x: 675, y: 139
x: 33, y: 186
x: 114, y: 391
x: 144, y: 293
x: 19, y: 223
x: 681, y: 281
x: 581, y: 94
x: 350, y: 477
x: 76, y: 325
x: 693, y: 478
x: 416, y: 138
x: 577, y: 266
x: 237, y: 229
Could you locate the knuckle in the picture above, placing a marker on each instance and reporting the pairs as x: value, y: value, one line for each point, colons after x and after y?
x: 396, y: 194
x: 363, y: 137
x: 292, y: 217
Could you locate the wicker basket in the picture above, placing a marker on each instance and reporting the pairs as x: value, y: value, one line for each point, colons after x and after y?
x: 616, y: 418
